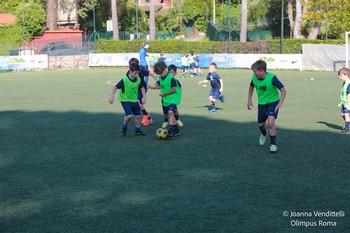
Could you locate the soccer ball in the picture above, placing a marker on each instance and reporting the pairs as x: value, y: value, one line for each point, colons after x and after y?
x: 162, y: 133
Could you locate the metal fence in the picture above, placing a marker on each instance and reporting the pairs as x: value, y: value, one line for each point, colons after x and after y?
x: 217, y: 33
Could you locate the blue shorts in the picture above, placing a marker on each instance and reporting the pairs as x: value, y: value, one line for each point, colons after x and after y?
x: 344, y: 110
x: 131, y: 108
x: 215, y: 94
x: 172, y: 107
x: 183, y: 68
x: 192, y: 66
x: 144, y: 70
x: 267, y: 110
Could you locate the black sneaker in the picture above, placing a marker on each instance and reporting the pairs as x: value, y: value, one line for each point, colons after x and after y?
x: 123, y: 131
x: 345, y: 130
x: 176, y: 132
x: 170, y: 133
x: 139, y: 133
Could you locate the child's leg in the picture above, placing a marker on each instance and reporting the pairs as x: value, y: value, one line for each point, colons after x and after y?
x: 138, y: 120
x: 347, y: 120
x: 177, y: 118
x: 272, y: 129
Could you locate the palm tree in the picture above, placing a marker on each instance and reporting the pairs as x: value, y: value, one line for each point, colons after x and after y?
x: 152, y: 21
x: 244, y: 21
x: 115, y: 19
x: 51, y: 17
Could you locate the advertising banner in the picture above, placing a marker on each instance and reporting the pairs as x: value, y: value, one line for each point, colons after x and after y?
x: 274, y: 61
x: 23, y: 62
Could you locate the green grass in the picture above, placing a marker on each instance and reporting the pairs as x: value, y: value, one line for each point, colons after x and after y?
x: 65, y: 168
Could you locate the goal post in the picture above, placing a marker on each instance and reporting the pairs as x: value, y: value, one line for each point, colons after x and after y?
x: 347, y: 34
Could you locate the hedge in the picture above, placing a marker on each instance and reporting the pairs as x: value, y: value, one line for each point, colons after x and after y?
x: 290, y: 46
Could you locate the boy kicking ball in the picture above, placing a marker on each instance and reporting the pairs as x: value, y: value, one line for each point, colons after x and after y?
x: 270, y: 100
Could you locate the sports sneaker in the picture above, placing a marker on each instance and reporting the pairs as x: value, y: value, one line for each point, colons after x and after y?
x: 179, y: 123
x: 262, y: 139
x: 212, y: 109
x: 165, y: 125
x: 345, y: 130
x: 222, y: 98
x: 170, y: 133
x: 144, y: 119
x: 177, y: 132
x: 148, y: 122
x: 139, y: 133
x: 273, y: 149
x: 123, y: 131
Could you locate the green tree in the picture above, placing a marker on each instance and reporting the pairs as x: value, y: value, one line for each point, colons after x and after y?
x: 194, y: 13
x: 34, y: 19
x: 334, y: 15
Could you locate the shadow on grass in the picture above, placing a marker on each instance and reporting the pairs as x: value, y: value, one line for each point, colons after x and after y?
x: 330, y: 125
x: 73, y: 172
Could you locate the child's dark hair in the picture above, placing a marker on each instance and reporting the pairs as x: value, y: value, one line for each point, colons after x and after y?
x: 134, y: 60
x: 159, y: 67
x: 172, y: 67
x: 213, y: 64
x: 259, y: 65
x: 345, y: 71
x: 134, y: 67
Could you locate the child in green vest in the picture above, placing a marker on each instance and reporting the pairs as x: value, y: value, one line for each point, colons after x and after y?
x: 344, y: 75
x: 170, y: 91
x: 271, y: 94
x: 129, y: 87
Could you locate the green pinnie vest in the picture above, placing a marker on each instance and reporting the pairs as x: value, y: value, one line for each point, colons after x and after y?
x: 131, y: 90
x: 266, y: 91
x: 344, y: 95
x: 165, y: 86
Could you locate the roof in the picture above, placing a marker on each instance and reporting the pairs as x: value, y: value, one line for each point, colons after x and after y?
x: 7, y: 19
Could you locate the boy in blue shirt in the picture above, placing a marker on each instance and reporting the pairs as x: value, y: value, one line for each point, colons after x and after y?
x: 217, y: 87
x: 129, y: 87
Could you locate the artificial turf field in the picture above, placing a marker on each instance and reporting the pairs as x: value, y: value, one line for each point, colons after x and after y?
x: 64, y: 166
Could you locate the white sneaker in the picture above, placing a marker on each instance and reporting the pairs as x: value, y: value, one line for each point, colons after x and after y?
x: 273, y: 149
x: 262, y: 139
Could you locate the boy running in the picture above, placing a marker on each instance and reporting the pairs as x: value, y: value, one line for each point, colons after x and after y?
x: 129, y: 86
x: 217, y: 87
x: 270, y: 101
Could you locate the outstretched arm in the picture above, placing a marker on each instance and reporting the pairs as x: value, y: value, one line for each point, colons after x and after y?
x: 203, y: 81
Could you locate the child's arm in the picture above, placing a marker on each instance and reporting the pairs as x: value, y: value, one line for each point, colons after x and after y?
x: 203, y: 81
x: 156, y: 86
x: 154, y: 76
x: 143, y: 91
x: 250, y: 95
x: 173, y: 90
x: 222, y: 86
x: 111, y: 97
x: 283, y: 96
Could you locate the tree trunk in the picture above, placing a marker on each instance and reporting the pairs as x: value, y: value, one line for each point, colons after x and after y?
x: 115, y: 19
x: 244, y: 21
x: 51, y: 17
x: 297, y: 24
x: 152, y: 21
x: 315, y: 31
x: 290, y: 17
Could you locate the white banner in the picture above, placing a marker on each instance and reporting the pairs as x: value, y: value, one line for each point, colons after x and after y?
x: 23, y: 62
x: 274, y: 61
